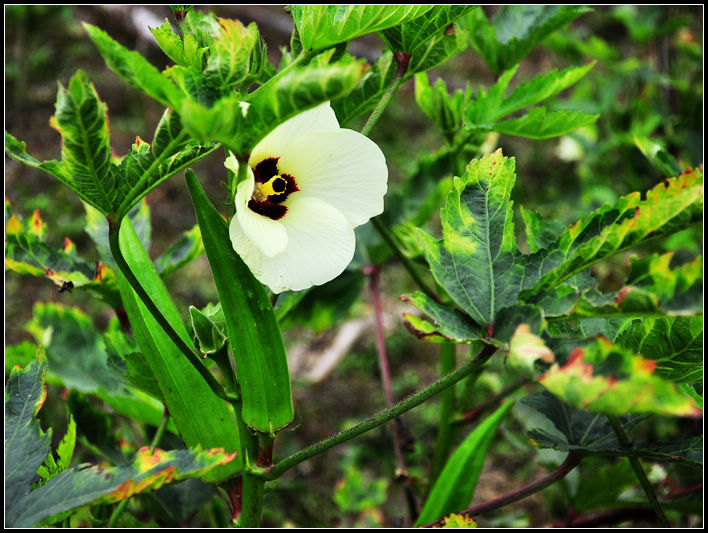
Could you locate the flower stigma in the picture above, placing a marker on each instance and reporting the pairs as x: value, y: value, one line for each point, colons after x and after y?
x: 273, y: 187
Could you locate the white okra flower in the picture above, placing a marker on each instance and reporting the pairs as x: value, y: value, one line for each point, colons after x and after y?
x: 310, y: 183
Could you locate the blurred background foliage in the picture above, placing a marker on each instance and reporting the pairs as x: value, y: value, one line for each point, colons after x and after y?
x: 647, y: 88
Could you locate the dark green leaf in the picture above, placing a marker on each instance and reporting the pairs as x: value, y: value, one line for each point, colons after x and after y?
x: 602, y: 489
x: 133, y: 68
x: 515, y: 30
x: 587, y: 433
x: 475, y: 262
x: 74, y: 348
x: 26, y: 446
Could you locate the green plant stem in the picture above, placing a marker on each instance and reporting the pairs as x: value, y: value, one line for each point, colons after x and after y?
x: 571, y: 461
x: 114, y: 243
x: 252, y: 486
x: 403, y: 60
x: 303, y: 56
x: 405, y: 261
x: 406, y: 405
x: 447, y: 407
x: 639, y: 472
x: 160, y: 430
x: 117, y: 512
x: 401, y: 473
x: 473, y: 414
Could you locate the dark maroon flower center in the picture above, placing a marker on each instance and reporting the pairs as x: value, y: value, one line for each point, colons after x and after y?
x: 272, y: 189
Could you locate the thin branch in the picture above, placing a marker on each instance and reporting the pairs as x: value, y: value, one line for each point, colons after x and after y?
x: 472, y: 415
x: 403, y: 60
x: 639, y: 472
x: 160, y: 430
x: 571, y: 461
x: 446, y: 430
x: 375, y: 421
x: 401, y: 474
x: 388, y: 237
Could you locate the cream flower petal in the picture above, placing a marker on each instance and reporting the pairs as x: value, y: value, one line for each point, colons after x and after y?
x: 344, y: 168
x: 313, y: 256
x: 320, y: 118
x: 268, y: 235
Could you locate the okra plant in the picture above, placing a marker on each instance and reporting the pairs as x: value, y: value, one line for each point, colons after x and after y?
x: 491, y: 286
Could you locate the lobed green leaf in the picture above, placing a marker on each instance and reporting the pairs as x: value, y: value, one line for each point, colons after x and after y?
x: 410, y: 35
x: 515, y: 30
x: 26, y: 446
x: 538, y: 124
x: 146, y: 166
x: 490, y: 106
x: 669, y: 206
x: 94, y: 484
x: 27, y: 253
x: 442, y: 323
x: 322, y: 26
x: 133, y: 68
x: 475, y: 262
x: 231, y: 54
x: 590, y: 434
x: 675, y: 344
x: 239, y: 128
x: 604, y: 378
